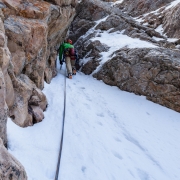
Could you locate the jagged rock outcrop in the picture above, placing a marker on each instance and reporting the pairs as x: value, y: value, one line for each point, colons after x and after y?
x: 87, y: 13
x: 25, y: 90
x: 166, y: 18
x: 117, y: 23
x: 5, y: 81
x: 10, y: 168
x: 116, y: 20
x: 153, y: 73
x: 34, y: 30
x: 94, y: 48
x: 30, y: 34
x: 171, y: 22
x: 139, y: 7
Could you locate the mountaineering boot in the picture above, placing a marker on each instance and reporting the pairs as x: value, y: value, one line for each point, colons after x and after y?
x: 74, y: 71
x: 69, y: 76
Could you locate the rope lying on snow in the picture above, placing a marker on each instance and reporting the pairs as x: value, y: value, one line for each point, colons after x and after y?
x: 62, y: 134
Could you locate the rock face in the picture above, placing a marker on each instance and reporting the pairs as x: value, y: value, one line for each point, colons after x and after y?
x: 10, y: 168
x: 171, y: 22
x: 87, y: 12
x: 30, y: 34
x: 34, y: 30
x: 115, y: 21
x: 93, y: 50
x: 153, y: 73
x: 139, y: 7
x: 4, y: 81
x: 25, y: 90
x: 166, y: 18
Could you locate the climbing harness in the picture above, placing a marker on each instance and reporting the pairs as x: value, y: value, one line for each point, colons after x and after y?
x: 62, y: 134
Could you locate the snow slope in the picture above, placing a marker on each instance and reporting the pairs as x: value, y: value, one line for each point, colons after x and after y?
x: 109, y: 135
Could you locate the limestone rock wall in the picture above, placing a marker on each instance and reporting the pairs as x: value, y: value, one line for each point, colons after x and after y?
x: 10, y: 168
x: 34, y: 30
x: 139, y: 7
x: 4, y: 80
x: 167, y: 18
x: 153, y: 73
x: 171, y: 22
x: 30, y: 34
x: 87, y: 12
x: 90, y: 11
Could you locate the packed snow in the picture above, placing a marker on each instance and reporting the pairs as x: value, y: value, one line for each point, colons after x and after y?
x: 160, y: 29
x: 117, y: 40
x: 117, y: 2
x: 172, y: 4
x: 109, y: 134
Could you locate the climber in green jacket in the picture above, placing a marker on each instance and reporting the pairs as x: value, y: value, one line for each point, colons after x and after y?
x: 67, y: 50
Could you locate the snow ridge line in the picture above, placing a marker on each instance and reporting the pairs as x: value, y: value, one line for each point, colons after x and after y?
x: 62, y: 134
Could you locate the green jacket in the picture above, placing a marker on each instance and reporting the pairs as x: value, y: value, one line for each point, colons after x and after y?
x: 62, y: 48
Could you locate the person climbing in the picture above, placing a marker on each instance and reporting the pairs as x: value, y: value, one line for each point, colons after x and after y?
x: 67, y: 50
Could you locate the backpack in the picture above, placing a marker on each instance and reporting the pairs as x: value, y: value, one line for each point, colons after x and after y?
x: 75, y: 55
x: 66, y: 52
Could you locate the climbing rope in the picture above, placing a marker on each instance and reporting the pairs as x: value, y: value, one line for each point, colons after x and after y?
x: 62, y: 134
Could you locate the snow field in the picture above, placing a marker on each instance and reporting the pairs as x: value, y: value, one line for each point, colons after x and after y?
x: 109, y: 134
x: 117, y: 135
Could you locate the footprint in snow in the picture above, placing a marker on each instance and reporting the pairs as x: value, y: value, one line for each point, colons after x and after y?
x: 87, y: 106
x: 117, y: 139
x: 142, y: 174
x: 83, y: 169
x: 100, y: 123
x: 111, y: 114
x: 117, y: 155
x: 100, y: 114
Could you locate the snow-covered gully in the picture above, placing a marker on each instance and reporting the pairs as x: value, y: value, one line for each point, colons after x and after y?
x: 109, y: 134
